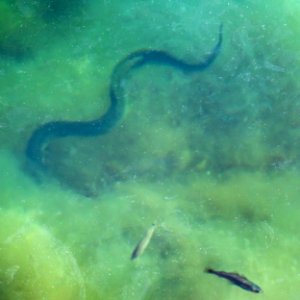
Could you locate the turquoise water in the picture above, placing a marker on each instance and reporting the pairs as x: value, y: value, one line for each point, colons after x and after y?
x: 210, y: 157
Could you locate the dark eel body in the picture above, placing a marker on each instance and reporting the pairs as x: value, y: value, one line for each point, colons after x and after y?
x: 58, y: 129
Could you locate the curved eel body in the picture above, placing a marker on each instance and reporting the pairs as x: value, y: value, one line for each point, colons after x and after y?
x: 58, y: 129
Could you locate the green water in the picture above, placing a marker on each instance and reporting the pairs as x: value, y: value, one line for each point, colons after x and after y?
x: 212, y: 158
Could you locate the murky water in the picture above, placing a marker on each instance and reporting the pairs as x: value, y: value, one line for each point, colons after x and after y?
x: 210, y: 157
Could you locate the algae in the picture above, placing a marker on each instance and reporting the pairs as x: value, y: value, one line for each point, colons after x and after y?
x: 211, y: 158
x: 33, y: 264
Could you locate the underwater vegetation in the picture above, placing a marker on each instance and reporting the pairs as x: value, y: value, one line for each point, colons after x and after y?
x: 24, y: 24
x: 34, y: 263
x: 195, y: 229
x: 16, y: 30
x: 54, y: 9
x: 211, y: 158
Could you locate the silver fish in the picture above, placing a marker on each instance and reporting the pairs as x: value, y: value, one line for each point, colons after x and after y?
x: 143, y: 243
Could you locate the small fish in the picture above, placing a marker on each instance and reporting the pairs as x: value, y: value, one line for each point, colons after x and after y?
x: 142, y: 245
x: 236, y: 279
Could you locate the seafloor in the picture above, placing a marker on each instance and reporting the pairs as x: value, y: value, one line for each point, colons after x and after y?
x: 212, y: 157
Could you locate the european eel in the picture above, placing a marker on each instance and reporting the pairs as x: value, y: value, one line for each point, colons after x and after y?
x: 59, y: 129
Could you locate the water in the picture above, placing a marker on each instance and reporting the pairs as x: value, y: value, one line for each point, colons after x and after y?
x: 210, y: 157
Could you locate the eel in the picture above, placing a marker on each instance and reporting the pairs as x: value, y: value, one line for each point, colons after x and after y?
x: 43, y: 134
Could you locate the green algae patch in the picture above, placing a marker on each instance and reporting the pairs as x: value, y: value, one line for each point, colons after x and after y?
x: 58, y: 244
x: 33, y: 264
x: 206, y: 157
x: 233, y: 224
x: 19, y: 27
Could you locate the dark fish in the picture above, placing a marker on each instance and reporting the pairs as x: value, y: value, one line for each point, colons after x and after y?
x: 236, y: 279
